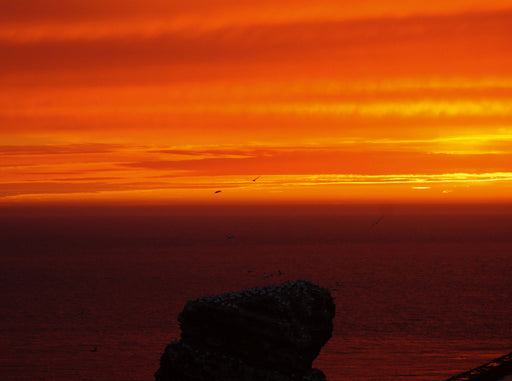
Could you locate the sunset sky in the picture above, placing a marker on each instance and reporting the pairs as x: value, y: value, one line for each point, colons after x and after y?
x: 165, y: 102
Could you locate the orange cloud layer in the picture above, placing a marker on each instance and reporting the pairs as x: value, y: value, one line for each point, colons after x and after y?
x: 326, y: 100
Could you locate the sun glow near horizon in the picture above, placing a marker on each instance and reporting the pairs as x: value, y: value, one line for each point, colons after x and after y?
x: 167, y: 102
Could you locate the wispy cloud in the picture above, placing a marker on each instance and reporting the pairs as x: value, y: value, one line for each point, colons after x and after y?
x: 172, y: 99
x: 44, y: 20
x: 239, y: 188
x: 59, y: 149
x: 415, y: 42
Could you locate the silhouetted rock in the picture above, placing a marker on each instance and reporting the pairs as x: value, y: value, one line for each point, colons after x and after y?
x: 266, y: 334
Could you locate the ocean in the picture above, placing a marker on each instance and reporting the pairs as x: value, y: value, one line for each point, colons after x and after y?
x: 93, y: 293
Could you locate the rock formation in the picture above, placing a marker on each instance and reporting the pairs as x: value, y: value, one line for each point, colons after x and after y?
x: 499, y: 369
x: 262, y: 334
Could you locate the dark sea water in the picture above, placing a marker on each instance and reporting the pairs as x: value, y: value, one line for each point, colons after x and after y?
x: 94, y: 294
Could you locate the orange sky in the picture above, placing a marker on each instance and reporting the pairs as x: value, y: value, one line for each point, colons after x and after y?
x: 153, y: 101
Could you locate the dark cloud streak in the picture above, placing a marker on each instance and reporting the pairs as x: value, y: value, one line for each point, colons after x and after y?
x: 311, y: 161
x: 65, y: 149
x: 385, y: 39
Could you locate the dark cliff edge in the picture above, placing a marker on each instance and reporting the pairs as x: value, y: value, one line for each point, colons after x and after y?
x: 268, y: 333
x: 495, y: 370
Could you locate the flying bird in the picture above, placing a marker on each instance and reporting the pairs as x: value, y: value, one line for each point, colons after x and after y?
x: 218, y: 191
x: 256, y: 178
x: 229, y: 236
x: 377, y: 222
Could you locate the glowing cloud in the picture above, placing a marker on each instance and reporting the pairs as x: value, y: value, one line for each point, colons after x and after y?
x: 326, y: 101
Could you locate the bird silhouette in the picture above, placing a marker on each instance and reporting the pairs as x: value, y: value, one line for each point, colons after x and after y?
x: 377, y: 222
x: 218, y: 191
x: 256, y: 178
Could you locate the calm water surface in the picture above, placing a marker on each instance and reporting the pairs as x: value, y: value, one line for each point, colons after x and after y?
x: 424, y: 295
